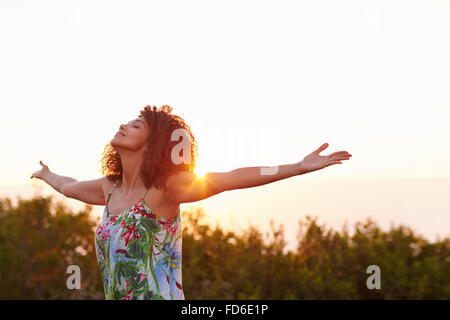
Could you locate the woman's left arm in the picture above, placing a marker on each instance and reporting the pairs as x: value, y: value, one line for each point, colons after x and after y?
x: 188, y: 187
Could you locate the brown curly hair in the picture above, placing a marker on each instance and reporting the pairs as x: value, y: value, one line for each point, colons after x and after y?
x: 157, y: 165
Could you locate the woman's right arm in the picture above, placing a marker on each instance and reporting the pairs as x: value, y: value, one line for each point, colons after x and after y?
x: 90, y: 191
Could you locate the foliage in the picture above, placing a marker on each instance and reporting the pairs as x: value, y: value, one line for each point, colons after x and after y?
x: 40, y: 239
x: 326, y: 265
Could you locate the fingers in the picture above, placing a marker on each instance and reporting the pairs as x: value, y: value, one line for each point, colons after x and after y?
x: 341, y: 157
x: 337, y: 157
x: 42, y: 164
x: 339, y: 153
x: 35, y: 174
x: 322, y: 147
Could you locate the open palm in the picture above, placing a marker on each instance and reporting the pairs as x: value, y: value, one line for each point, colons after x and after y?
x: 315, y: 161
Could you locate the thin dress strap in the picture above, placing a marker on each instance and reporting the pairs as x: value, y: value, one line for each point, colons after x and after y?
x: 145, y: 193
x: 115, y: 184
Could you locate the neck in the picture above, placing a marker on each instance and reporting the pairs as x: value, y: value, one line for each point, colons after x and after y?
x: 131, y: 164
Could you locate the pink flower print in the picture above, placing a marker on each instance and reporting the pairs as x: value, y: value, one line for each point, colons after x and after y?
x: 130, y: 234
x: 151, y: 215
x: 105, y: 234
x: 142, y: 276
x: 127, y: 297
x: 100, y: 230
x: 140, y: 209
x: 111, y: 220
x: 170, y: 230
x: 168, y: 226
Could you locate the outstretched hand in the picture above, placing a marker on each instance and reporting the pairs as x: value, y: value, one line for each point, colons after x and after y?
x: 40, y: 173
x: 315, y: 161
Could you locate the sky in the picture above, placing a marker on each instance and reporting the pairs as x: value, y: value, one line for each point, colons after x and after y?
x: 259, y: 82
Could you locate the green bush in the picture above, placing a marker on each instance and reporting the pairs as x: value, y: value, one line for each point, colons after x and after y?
x: 40, y: 239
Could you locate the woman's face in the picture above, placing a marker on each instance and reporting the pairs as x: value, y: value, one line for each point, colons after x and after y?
x: 132, y: 136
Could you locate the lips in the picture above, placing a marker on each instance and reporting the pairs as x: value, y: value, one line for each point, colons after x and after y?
x: 118, y: 132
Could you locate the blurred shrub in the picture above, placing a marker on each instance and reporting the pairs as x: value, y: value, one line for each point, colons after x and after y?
x: 40, y: 239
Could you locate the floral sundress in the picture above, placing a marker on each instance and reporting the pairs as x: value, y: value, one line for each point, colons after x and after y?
x: 139, y: 254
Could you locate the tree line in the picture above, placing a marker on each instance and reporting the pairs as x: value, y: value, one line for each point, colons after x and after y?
x: 40, y: 238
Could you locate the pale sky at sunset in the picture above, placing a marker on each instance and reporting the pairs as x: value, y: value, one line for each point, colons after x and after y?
x: 259, y: 82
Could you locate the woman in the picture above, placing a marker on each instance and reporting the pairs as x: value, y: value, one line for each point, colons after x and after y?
x: 138, y: 241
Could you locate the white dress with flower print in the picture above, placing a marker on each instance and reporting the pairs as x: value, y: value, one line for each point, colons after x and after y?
x: 139, y: 254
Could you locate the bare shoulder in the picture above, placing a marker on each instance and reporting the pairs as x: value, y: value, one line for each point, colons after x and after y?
x: 88, y: 191
x: 175, y: 182
x: 106, y: 185
x: 179, y: 178
x: 186, y: 186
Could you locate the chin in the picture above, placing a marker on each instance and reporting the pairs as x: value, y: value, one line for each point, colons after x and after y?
x: 113, y: 142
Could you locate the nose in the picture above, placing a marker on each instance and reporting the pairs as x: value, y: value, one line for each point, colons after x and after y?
x: 122, y: 127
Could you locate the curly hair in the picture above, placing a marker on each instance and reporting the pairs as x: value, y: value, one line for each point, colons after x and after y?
x: 157, y: 164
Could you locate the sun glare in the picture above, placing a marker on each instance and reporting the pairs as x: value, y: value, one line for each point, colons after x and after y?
x: 200, y: 172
